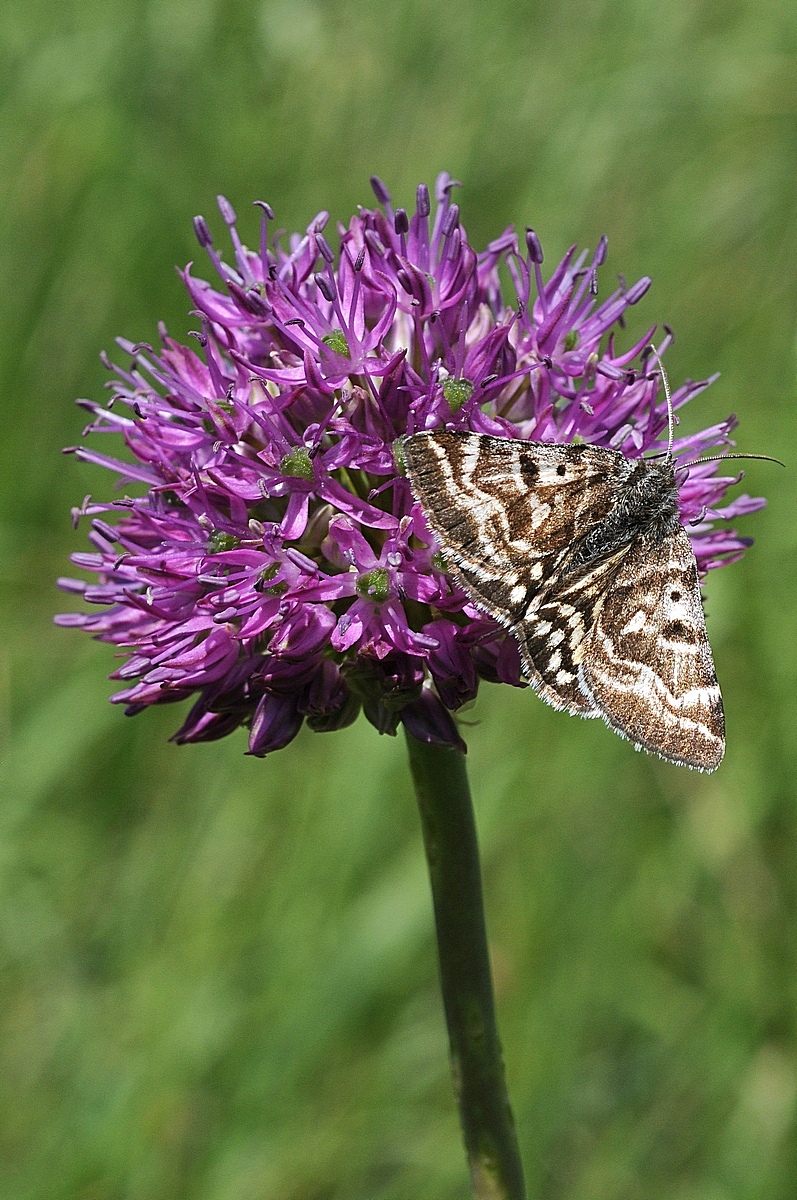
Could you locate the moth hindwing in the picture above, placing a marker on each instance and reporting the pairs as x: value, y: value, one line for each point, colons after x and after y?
x: 579, y: 553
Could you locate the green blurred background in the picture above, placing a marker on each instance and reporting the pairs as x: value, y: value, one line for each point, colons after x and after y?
x: 219, y: 978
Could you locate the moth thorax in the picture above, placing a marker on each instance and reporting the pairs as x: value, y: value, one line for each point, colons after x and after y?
x: 652, y: 497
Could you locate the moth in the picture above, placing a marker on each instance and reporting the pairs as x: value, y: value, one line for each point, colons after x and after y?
x: 579, y: 553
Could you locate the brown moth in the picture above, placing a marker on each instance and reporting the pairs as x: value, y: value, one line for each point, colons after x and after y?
x: 579, y: 553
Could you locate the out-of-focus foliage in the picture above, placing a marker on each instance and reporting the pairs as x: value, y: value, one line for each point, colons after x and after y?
x: 219, y: 979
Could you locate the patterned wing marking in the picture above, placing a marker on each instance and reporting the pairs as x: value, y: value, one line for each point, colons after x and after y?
x: 555, y: 630
x: 506, y: 511
x: 647, y: 664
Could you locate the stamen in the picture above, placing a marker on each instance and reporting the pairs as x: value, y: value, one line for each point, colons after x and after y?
x: 228, y: 215
x: 374, y: 243
x: 536, y: 257
x: 324, y: 248
x: 380, y: 191
x: 451, y: 221
x: 325, y: 287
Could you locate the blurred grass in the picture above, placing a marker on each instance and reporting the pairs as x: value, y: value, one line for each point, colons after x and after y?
x: 218, y: 974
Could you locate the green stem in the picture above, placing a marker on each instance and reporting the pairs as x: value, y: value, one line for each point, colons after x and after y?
x: 452, y: 852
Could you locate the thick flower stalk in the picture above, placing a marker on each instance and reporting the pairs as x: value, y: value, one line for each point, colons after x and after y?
x: 270, y: 560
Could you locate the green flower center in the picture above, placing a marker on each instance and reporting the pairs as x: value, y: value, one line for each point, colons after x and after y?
x: 220, y: 541
x: 398, y: 456
x: 457, y: 392
x: 374, y: 585
x: 278, y: 588
x: 297, y: 463
x: 336, y: 340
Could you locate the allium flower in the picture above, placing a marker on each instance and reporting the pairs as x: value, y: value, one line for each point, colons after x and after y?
x: 276, y: 566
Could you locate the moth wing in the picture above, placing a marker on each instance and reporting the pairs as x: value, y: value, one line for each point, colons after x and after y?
x: 505, y: 511
x: 647, y: 663
x: 555, y: 629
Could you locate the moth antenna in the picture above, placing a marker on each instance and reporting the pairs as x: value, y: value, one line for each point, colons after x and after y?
x: 670, y: 416
x: 721, y: 457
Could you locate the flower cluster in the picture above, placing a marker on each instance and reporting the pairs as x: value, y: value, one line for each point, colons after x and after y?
x: 276, y: 566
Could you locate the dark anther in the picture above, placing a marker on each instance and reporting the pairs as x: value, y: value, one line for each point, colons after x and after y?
x: 202, y: 232
x: 593, y: 284
x: 548, y: 361
x: 324, y: 248
x: 600, y: 251
x: 451, y: 220
x: 534, y: 247
x: 360, y: 259
x: 200, y: 337
x: 401, y: 221
x: 379, y: 190
x: 422, y: 203
x: 324, y: 287
x: 267, y: 209
x: 631, y: 377
x: 488, y: 379
x: 296, y: 321
x: 374, y: 242
x: 257, y: 304
x: 638, y: 290
x: 404, y: 280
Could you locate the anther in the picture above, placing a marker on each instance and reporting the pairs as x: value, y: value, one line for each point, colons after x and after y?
x: 379, y: 190
x: 533, y: 246
x: 324, y: 248
x: 324, y: 287
x: 226, y: 209
x: 451, y: 220
x: 401, y: 221
x: 203, y: 234
x: 636, y: 292
x: 360, y: 259
x: 422, y: 203
x: 266, y: 207
x: 374, y: 242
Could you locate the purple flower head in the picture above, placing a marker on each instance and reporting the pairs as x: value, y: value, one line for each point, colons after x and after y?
x: 271, y: 562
